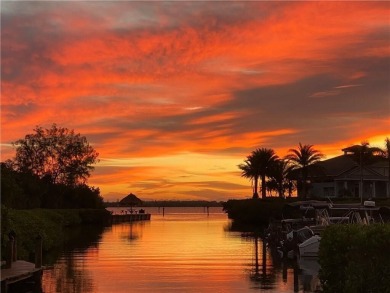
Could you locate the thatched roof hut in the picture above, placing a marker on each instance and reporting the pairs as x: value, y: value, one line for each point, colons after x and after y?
x: 130, y: 200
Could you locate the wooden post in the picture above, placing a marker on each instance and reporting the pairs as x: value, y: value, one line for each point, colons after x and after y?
x: 284, y: 271
x: 38, y: 252
x: 264, y: 266
x: 256, y: 256
x: 12, y: 235
x: 10, y: 253
x: 296, y: 277
x: 295, y: 243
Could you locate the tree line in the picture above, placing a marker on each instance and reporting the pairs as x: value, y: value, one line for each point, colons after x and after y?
x: 50, y: 170
x: 280, y: 174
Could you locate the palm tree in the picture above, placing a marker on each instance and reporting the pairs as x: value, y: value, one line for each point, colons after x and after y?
x: 279, y: 174
x: 249, y: 171
x: 364, y: 155
x: 302, y: 158
x: 258, y: 165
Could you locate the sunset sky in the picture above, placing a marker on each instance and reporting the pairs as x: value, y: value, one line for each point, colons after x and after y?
x: 174, y: 95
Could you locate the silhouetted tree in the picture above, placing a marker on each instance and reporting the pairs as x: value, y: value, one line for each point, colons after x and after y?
x: 20, y: 190
x: 302, y: 158
x: 364, y: 155
x: 257, y: 165
x: 279, y: 176
x: 57, y: 154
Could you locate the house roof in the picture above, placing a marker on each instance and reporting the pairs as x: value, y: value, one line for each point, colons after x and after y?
x: 131, y: 200
x: 337, y: 165
x: 357, y: 173
x: 342, y: 167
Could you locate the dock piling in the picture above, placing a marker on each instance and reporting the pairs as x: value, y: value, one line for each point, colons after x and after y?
x: 10, y: 253
x: 38, y: 252
x: 12, y: 235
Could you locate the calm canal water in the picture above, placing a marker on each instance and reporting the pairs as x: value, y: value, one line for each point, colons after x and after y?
x: 185, y: 250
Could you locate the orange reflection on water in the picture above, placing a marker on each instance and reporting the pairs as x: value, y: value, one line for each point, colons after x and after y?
x: 174, y: 253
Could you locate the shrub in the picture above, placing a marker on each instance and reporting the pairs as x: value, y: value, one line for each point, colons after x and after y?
x: 355, y: 259
x: 255, y: 211
x: 48, y: 223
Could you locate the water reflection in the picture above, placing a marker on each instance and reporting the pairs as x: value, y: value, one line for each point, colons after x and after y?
x: 68, y: 276
x: 309, y: 274
x: 68, y: 273
x: 175, y: 252
x: 131, y: 231
x: 264, y: 278
x: 271, y: 273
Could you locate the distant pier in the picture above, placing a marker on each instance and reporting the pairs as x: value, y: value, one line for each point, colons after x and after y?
x: 120, y: 218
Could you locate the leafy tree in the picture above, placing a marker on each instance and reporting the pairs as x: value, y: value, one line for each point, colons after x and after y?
x: 258, y: 165
x: 57, y: 154
x: 20, y: 190
x: 302, y: 158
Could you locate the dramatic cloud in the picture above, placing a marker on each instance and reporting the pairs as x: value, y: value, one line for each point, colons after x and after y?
x: 174, y: 95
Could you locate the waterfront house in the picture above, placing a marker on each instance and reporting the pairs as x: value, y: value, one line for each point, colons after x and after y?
x: 342, y: 176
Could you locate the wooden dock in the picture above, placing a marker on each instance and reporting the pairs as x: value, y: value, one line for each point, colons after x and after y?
x: 20, y: 271
x: 120, y: 218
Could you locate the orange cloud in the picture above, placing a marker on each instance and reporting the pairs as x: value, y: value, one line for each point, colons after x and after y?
x: 205, y: 78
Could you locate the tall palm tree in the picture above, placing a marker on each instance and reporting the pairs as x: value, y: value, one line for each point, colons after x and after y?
x: 364, y: 155
x: 249, y: 171
x: 302, y: 158
x: 258, y: 165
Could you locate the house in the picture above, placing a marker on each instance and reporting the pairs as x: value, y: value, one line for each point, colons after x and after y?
x: 342, y: 176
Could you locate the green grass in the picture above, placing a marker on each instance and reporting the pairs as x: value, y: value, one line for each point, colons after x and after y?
x: 46, y: 223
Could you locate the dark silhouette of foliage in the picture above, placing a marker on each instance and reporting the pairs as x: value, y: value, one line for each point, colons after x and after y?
x: 387, y: 156
x: 302, y: 158
x: 258, y: 165
x: 57, y: 154
x: 364, y: 154
x: 24, y: 190
x: 50, y: 170
x: 355, y: 258
x: 279, y: 177
x: 20, y: 189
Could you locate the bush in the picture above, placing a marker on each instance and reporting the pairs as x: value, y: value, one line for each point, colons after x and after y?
x: 355, y: 259
x: 49, y: 224
x: 255, y: 211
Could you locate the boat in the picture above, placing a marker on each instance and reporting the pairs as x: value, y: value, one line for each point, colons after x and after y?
x: 315, y: 217
x: 310, y: 247
x: 364, y: 215
x: 288, y: 247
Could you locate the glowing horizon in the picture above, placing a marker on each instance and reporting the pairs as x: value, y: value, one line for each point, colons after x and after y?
x: 174, y: 95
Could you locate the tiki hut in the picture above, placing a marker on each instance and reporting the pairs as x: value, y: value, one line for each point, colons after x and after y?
x: 130, y: 201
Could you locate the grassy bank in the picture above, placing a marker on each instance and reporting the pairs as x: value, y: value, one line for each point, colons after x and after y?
x: 49, y: 224
x: 355, y: 258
